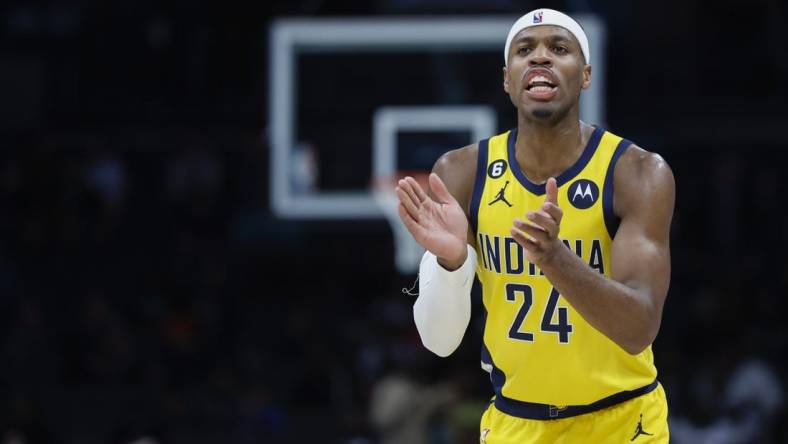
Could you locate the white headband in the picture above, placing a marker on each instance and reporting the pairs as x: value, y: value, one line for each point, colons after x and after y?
x: 541, y: 17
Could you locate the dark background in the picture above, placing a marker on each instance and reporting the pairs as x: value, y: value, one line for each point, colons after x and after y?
x: 147, y: 294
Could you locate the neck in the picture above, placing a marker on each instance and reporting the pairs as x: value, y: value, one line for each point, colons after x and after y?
x: 546, y: 149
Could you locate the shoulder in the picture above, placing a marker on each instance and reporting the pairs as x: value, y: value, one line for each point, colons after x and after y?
x: 457, y: 169
x: 642, y: 179
x: 460, y: 159
x: 636, y: 160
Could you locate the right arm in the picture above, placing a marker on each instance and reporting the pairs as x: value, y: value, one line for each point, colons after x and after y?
x: 439, y: 222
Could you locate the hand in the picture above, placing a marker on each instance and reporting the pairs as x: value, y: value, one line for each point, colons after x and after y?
x: 539, y: 235
x: 440, y: 227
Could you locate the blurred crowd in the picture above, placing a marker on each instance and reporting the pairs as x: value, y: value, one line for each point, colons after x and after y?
x: 146, y: 292
x: 148, y: 296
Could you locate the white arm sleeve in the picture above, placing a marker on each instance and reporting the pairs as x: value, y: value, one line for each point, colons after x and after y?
x: 443, y: 309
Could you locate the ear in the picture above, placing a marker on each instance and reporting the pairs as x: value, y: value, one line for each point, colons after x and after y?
x: 586, y: 77
x: 505, y: 79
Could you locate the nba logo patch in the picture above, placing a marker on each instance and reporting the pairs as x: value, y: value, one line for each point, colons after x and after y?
x: 538, y: 17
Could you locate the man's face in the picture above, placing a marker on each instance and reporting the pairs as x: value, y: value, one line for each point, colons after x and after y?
x: 546, y: 72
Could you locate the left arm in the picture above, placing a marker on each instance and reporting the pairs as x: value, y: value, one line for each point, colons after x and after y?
x: 627, y: 307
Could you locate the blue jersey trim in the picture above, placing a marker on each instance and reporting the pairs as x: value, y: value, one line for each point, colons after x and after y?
x: 530, y: 410
x: 497, y: 376
x: 611, y: 220
x: 566, y: 176
x: 478, y: 185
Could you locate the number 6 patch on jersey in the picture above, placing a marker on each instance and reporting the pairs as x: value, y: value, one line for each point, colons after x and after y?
x: 497, y: 168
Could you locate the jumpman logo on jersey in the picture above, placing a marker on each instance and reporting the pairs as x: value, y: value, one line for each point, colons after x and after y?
x: 500, y: 197
x: 639, y: 430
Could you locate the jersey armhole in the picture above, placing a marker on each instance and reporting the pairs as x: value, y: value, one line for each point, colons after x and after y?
x: 611, y: 220
x: 478, y: 185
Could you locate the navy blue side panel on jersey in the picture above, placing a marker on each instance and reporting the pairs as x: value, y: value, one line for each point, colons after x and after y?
x: 611, y: 220
x: 478, y: 184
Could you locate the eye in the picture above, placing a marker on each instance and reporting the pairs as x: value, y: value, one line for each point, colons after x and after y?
x: 523, y: 50
x: 560, y: 50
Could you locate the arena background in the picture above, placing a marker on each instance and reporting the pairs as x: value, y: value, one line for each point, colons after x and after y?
x: 149, y: 294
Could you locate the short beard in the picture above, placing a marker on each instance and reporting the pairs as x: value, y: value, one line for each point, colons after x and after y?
x: 542, y: 114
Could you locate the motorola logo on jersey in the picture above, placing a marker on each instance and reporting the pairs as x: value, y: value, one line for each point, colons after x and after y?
x: 582, y: 193
x: 497, y: 168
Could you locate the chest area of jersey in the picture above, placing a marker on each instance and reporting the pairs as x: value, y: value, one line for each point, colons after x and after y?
x: 582, y: 227
x: 504, y: 200
x: 504, y: 197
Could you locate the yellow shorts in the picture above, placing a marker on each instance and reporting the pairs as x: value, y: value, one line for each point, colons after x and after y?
x: 640, y: 420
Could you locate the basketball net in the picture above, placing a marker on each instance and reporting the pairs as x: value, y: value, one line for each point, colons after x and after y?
x: 407, y: 252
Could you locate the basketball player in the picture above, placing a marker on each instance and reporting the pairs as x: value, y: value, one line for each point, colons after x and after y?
x: 566, y: 225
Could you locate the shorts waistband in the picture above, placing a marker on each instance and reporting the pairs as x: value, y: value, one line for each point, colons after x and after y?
x: 531, y: 410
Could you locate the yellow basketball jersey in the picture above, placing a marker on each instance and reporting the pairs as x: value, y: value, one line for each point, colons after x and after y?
x: 537, y: 348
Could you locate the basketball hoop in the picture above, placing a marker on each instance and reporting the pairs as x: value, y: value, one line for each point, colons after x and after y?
x: 407, y: 252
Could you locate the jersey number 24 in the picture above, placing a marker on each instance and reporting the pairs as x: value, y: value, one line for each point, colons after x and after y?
x: 562, y: 328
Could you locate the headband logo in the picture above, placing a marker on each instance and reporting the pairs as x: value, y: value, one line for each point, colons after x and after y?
x: 538, y: 17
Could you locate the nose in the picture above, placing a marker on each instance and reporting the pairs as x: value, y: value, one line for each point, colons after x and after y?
x: 541, y: 57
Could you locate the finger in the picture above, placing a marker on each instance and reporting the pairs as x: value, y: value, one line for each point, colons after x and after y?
x: 417, y: 231
x: 407, y: 203
x: 407, y: 186
x: 420, y: 193
x: 409, y: 195
x: 544, y: 220
x: 521, y: 224
x: 526, y: 242
x: 552, y: 191
x: 554, y: 211
x: 535, y: 232
x: 439, y: 188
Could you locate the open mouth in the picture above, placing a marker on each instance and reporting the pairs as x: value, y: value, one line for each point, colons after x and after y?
x: 540, y: 84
